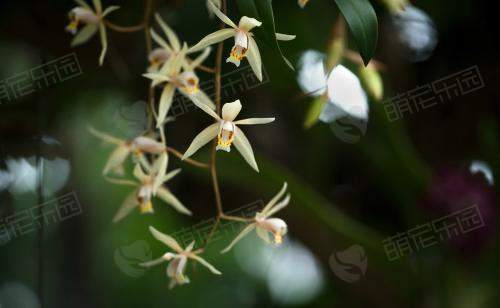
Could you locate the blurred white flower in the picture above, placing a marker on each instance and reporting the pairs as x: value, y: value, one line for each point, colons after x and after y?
x: 340, y: 88
x: 21, y: 175
x: 346, y: 95
x: 417, y: 32
x: 479, y: 166
x: 312, y: 74
x: 292, y: 273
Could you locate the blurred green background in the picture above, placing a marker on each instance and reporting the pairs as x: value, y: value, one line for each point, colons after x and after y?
x: 345, y: 195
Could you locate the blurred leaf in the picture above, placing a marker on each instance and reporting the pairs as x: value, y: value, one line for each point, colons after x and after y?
x: 362, y: 21
x: 262, y: 10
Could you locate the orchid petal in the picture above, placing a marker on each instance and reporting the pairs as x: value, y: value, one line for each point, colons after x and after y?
x: 83, y: 4
x: 159, y: 40
x: 128, y: 205
x: 166, y: 239
x: 205, y: 263
x: 110, y: 9
x: 139, y: 173
x: 104, y: 137
x: 231, y: 110
x: 243, y: 146
x: 166, y: 257
x: 275, y: 199
x: 285, y: 37
x: 199, y: 60
x: 84, y: 34
x: 254, y: 121
x: 172, y: 37
x: 97, y: 6
x: 221, y: 15
x: 201, y: 98
x: 165, y: 178
x: 116, y: 158
x: 254, y: 59
x: 213, y: 38
x: 169, y: 198
x: 121, y: 181
x: 240, y: 236
x: 165, y: 102
x: 204, y: 137
x: 263, y: 234
x: 190, y: 246
x: 104, y: 43
x: 278, y: 206
x: 247, y: 23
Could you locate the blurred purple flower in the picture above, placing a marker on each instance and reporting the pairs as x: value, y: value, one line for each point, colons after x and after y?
x: 454, y: 189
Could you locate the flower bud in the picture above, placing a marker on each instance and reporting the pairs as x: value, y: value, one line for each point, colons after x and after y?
x: 372, y: 81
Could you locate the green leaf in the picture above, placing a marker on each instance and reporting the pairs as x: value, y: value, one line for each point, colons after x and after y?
x: 362, y: 21
x: 262, y: 10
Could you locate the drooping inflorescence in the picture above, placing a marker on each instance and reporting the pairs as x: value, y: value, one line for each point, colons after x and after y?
x: 172, y: 68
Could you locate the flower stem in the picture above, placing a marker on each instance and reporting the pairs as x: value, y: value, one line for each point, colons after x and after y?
x: 187, y: 160
x: 123, y: 29
x: 236, y: 218
x: 213, y: 164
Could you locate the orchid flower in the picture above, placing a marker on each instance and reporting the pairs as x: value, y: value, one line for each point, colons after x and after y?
x: 227, y: 132
x: 178, y: 259
x: 244, y: 46
x: 186, y: 82
x: 149, y: 185
x: 264, y: 224
x: 339, y: 90
x: 138, y: 146
x: 169, y: 47
x: 93, y: 18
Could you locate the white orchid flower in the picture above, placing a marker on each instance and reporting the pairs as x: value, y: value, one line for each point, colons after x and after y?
x: 178, y: 259
x: 149, y: 185
x: 244, y: 43
x: 93, y: 18
x: 137, y: 146
x: 169, y: 47
x: 227, y: 131
x: 264, y: 224
x: 186, y: 82
x: 340, y: 88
